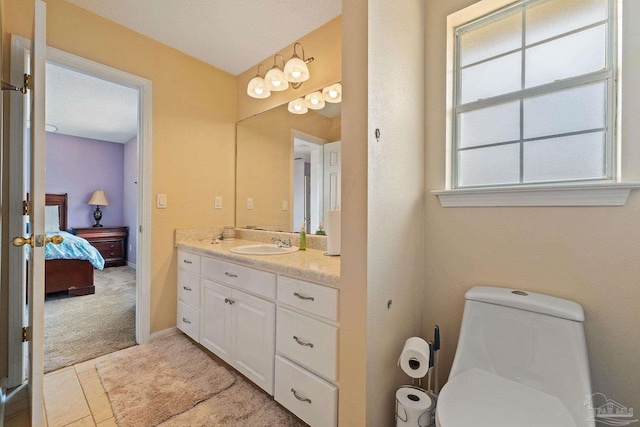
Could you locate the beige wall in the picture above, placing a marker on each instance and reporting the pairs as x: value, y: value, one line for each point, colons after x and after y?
x: 324, y: 44
x: 589, y: 255
x: 194, y: 115
x: 383, y: 211
x: 265, y: 163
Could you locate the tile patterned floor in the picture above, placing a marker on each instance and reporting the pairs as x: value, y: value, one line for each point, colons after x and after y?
x: 73, y: 397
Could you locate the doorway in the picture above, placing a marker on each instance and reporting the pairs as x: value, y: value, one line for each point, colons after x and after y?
x: 19, y: 52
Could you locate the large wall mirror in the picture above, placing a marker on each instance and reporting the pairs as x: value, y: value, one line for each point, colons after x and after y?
x: 288, y: 168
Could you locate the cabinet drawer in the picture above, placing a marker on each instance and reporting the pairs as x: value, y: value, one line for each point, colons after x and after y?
x: 312, y: 399
x: 316, y: 299
x: 189, y: 288
x: 111, y: 249
x: 188, y: 320
x: 307, y: 341
x: 188, y: 261
x: 256, y: 281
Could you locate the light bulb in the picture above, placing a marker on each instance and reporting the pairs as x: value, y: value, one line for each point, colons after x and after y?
x: 276, y: 83
x: 333, y: 94
x: 297, y: 108
x: 259, y: 90
x: 296, y: 74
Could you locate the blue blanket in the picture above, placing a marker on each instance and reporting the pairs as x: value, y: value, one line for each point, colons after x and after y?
x: 73, y: 247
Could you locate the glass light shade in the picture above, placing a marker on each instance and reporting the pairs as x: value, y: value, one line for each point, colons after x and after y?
x: 314, y: 100
x: 296, y: 71
x: 257, y: 88
x: 275, y: 81
x: 333, y: 93
x: 298, y: 106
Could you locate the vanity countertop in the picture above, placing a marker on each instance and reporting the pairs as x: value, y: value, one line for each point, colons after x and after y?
x: 311, y: 265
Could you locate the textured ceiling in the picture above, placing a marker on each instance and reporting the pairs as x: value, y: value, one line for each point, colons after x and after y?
x: 89, y: 107
x: 229, y: 34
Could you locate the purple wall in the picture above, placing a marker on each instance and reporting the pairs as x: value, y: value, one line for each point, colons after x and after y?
x: 78, y: 166
x: 131, y: 197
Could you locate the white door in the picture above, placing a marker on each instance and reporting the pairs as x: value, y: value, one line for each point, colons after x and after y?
x: 34, y: 244
x: 254, y: 327
x: 332, y: 175
x: 215, y: 324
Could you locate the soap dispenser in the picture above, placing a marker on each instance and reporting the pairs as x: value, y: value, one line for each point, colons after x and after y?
x: 303, y: 237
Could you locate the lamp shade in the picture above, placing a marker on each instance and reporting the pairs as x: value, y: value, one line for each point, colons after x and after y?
x: 295, y: 70
x: 257, y: 88
x: 314, y: 100
x: 298, y: 106
x: 275, y: 81
x: 333, y: 93
x: 98, y: 198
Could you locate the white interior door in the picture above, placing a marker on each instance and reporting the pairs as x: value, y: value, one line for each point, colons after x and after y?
x: 332, y: 175
x: 33, y: 245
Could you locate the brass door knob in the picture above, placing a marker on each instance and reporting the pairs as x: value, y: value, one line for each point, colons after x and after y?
x: 21, y: 241
x: 56, y: 240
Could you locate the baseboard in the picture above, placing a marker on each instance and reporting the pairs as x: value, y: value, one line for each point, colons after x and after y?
x: 165, y: 333
x: 3, y: 400
x: 132, y: 265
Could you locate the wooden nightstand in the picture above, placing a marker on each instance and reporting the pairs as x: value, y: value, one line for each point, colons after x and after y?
x: 111, y: 242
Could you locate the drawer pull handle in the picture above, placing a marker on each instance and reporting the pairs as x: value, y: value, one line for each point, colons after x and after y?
x: 186, y: 261
x: 303, y: 297
x: 302, y: 399
x: 184, y: 319
x: 302, y: 343
x: 230, y: 301
x: 186, y: 288
x: 226, y: 273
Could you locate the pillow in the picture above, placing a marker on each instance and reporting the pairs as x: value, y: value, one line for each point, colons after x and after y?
x: 51, y: 219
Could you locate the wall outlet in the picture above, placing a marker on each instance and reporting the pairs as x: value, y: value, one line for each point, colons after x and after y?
x: 249, y: 203
x: 285, y: 205
x: 161, y: 201
x: 218, y: 202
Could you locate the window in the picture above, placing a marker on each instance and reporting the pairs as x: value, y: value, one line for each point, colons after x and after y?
x: 534, y: 95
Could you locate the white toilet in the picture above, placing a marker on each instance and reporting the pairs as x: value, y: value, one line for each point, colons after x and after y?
x: 521, y: 361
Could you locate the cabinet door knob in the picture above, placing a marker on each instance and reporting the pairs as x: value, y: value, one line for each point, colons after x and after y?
x: 303, y: 297
x: 302, y: 343
x: 226, y: 273
x: 230, y: 301
x: 185, y: 320
x: 186, y: 261
x: 186, y: 288
x: 302, y: 399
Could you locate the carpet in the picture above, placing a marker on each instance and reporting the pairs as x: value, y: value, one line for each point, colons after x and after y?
x: 85, y: 327
x: 150, y: 383
x: 172, y: 383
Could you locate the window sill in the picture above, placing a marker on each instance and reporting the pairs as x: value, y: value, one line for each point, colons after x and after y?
x: 605, y: 194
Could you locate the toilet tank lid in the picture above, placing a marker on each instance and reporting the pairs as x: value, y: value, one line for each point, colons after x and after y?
x: 529, y: 301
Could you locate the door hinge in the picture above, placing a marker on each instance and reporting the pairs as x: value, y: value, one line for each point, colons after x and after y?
x: 26, y: 209
x: 23, y: 89
x: 26, y: 333
x: 140, y: 229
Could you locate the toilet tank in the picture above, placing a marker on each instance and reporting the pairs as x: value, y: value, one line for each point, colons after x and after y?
x: 533, y: 339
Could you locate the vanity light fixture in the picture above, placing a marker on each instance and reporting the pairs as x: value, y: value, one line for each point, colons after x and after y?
x: 294, y: 71
x: 314, y: 100
x: 298, y: 106
x: 274, y: 78
x: 333, y: 93
x: 257, y: 87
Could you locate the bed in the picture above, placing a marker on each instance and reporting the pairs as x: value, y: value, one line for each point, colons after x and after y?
x: 68, y: 266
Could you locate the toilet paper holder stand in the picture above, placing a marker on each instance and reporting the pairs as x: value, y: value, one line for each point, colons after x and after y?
x: 427, y: 418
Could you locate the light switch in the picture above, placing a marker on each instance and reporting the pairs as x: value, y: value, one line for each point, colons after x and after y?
x: 249, y: 203
x: 218, y: 202
x: 285, y: 205
x: 161, y: 201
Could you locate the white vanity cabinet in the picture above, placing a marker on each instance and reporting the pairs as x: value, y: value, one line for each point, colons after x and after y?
x: 278, y: 331
x: 306, y: 347
x: 239, y: 328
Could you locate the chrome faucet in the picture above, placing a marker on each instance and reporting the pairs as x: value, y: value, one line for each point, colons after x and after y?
x: 282, y: 243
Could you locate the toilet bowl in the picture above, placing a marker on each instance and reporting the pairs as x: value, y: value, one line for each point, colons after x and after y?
x: 521, y: 361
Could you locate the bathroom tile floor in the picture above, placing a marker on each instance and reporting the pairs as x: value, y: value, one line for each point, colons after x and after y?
x: 73, y: 397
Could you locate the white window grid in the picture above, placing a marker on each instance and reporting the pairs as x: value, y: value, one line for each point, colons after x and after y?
x: 607, y: 75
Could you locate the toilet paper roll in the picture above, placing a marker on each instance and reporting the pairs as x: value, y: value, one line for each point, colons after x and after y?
x: 414, y: 359
x: 414, y: 407
x: 332, y: 228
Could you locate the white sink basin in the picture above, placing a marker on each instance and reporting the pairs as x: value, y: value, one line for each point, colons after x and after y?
x: 263, y: 249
